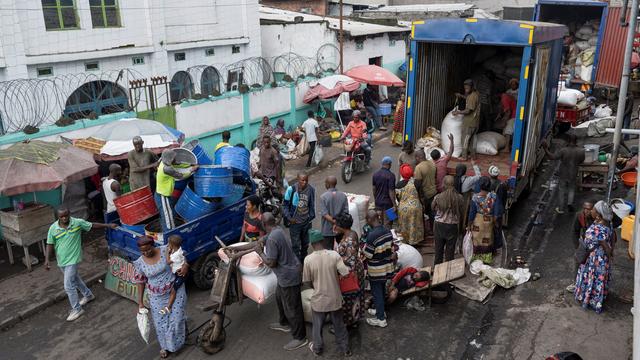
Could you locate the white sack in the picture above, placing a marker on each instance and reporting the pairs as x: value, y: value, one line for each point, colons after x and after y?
x: 493, y: 136
x: 582, y: 45
x: 567, y: 98
x: 486, y: 144
x: 408, y: 256
x: 259, y: 288
x: 602, y: 111
x: 585, y: 72
x: 452, y: 124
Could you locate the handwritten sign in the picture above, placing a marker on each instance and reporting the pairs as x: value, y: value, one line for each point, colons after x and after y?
x: 119, y: 279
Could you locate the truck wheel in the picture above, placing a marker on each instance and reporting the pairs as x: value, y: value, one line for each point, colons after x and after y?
x: 204, y: 270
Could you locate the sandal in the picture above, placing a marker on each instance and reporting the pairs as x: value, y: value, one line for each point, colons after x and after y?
x: 165, y: 311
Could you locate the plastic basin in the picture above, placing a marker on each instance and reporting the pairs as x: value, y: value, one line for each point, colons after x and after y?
x: 136, y: 206
x: 630, y: 178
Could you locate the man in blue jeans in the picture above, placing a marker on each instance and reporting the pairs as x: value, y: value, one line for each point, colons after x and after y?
x: 65, y: 237
x: 380, y: 256
x: 299, y: 210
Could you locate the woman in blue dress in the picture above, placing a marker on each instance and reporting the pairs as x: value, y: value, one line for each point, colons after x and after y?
x: 154, y: 273
x: 592, y: 280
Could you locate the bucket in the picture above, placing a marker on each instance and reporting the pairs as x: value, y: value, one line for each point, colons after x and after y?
x: 621, y: 209
x: 235, y: 196
x: 391, y: 214
x: 591, y: 152
x: 234, y: 157
x: 190, y: 206
x: 136, y: 206
x: 384, y: 109
x: 629, y: 178
x: 184, y: 156
x: 197, y: 150
x: 213, y: 181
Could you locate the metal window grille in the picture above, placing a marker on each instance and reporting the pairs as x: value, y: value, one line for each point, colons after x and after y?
x: 104, y: 13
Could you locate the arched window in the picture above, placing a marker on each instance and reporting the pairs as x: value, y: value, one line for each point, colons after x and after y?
x: 101, y: 97
x: 181, y: 86
x: 210, y: 81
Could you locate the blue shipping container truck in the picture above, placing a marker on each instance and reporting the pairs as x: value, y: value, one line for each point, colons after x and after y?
x: 576, y: 12
x: 198, y: 237
x: 443, y: 54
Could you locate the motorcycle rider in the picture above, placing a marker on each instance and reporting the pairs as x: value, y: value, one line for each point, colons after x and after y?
x: 358, y: 131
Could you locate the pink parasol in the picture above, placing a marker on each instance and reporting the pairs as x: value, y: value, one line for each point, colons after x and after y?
x: 374, y: 75
x: 42, y: 166
x: 329, y: 87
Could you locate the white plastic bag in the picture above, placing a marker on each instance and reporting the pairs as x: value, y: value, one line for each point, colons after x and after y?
x: 467, y: 247
x: 452, y: 124
x: 143, y: 324
x: 602, y: 111
x: 318, y: 155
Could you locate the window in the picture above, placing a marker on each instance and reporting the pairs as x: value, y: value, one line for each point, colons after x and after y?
x: 59, y: 14
x: 92, y: 66
x: 138, y: 60
x: 104, y: 13
x: 359, y: 45
x: 179, y: 56
x: 43, y: 72
x: 210, y: 52
x: 392, y: 43
x: 235, y: 49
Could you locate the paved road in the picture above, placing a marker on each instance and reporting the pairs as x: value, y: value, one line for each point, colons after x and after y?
x: 529, y: 322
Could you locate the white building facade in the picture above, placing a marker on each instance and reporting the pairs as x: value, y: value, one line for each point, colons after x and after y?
x: 49, y: 49
x: 314, y: 39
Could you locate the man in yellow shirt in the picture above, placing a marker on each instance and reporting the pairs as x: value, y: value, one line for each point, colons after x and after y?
x: 471, y: 119
x: 226, y: 137
x: 165, y: 182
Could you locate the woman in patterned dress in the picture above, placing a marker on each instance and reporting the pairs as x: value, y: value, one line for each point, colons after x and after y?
x: 485, y: 212
x: 592, y: 280
x: 410, y: 218
x: 397, y: 136
x: 153, y: 272
x: 349, y: 249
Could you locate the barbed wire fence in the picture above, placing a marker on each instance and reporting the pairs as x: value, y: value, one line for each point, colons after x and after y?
x: 63, y: 98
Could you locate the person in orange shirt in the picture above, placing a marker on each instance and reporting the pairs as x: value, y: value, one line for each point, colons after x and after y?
x: 357, y: 129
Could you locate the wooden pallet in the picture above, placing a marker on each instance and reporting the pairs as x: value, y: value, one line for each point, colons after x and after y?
x: 442, y: 273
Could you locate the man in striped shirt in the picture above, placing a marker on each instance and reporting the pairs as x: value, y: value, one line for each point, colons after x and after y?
x: 380, y: 256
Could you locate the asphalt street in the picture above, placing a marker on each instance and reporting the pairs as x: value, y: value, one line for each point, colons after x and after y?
x: 532, y: 321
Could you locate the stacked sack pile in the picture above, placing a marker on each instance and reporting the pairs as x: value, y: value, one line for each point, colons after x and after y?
x: 504, y: 65
x: 430, y: 141
x: 586, y: 39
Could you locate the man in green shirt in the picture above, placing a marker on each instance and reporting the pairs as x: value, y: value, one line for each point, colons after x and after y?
x: 471, y: 119
x: 65, y: 237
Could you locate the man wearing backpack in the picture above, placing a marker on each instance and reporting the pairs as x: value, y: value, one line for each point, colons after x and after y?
x: 299, y: 211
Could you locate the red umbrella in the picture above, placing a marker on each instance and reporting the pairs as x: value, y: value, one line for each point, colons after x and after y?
x: 42, y: 166
x: 329, y: 87
x: 374, y: 75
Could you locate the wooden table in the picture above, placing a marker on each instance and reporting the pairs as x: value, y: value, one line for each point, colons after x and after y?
x: 595, y: 168
x: 26, y: 227
x: 442, y: 273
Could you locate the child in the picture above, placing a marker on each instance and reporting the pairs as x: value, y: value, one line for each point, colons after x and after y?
x: 175, y: 260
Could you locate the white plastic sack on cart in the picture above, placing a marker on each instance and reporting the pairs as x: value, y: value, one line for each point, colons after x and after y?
x: 567, y: 98
x: 408, y: 256
x: 452, y: 124
x: 602, y: 111
x: 143, y: 324
x: 353, y: 211
x: 259, y: 288
x: 318, y: 155
x: 250, y: 264
x: 306, y: 304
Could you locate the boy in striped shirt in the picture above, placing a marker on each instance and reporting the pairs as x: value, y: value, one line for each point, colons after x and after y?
x: 380, y: 257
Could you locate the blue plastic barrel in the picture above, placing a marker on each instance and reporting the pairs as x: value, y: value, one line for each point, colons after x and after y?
x: 213, y: 181
x: 235, y: 196
x: 190, y: 206
x: 234, y: 157
x: 198, y: 151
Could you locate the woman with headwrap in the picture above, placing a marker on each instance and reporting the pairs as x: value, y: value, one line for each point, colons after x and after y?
x: 485, y: 213
x: 153, y: 272
x: 592, y: 280
x: 398, y: 123
x: 410, y: 218
x: 449, y: 209
x: 279, y: 130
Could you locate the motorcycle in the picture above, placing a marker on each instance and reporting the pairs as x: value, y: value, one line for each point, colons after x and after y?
x: 354, y: 159
x: 270, y: 197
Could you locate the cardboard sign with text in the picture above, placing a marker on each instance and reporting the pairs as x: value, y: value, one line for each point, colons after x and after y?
x: 119, y: 279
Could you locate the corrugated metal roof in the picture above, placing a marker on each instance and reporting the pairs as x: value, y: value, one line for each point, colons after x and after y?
x: 353, y: 28
x: 423, y: 8
x: 574, y: 2
x: 612, y: 51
